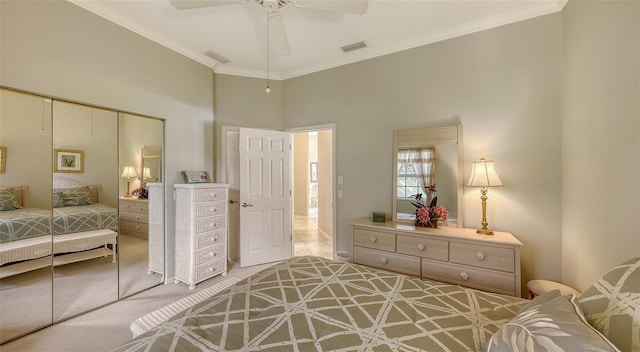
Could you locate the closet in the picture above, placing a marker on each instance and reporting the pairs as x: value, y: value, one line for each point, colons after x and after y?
x: 66, y: 168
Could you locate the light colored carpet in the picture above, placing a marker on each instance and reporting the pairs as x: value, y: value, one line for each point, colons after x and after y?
x: 153, y: 319
x: 107, y: 328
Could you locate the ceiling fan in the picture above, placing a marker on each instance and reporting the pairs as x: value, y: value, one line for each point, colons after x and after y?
x: 277, y: 35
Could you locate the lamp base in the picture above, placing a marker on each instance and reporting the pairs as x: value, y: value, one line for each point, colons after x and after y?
x: 484, y: 231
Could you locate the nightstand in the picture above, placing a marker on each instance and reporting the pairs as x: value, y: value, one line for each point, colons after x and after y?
x: 134, y: 217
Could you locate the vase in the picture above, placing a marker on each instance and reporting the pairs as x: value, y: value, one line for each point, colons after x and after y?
x: 431, y: 223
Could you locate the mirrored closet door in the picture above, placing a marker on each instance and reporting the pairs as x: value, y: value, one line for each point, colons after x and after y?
x: 81, y: 209
x: 141, y: 198
x: 85, y: 177
x: 25, y: 213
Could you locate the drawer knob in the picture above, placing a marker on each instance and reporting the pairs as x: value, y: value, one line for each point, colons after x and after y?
x: 480, y: 255
x: 215, y: 239
x: 384, y: 260
x: 421, y: 247
x: 373, y: 239
x: 464, y: 276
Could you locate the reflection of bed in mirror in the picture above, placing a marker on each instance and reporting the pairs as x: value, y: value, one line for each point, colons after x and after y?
x: 25, y: 235
x: 83, y: 229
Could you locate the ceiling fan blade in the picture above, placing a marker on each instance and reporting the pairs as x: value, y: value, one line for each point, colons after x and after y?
x: 356, y: 7
x: 278, y: 42
x: 196, y: 4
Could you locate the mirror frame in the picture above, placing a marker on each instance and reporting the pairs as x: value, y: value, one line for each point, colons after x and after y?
x: 430, y: 136
x: 151, y: 153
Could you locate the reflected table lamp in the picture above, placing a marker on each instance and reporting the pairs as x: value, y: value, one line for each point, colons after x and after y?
x: 483, y: 174
x: 129, y: 172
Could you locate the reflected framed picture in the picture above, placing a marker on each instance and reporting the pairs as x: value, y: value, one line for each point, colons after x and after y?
x: 67, y: 160
x: 313, y: 172
x: 196, y: 177
x: 3, y: 159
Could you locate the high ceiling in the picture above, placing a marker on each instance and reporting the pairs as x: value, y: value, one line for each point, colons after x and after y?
x: 238, y: 32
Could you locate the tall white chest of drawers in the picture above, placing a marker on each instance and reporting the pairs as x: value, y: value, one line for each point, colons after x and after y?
x: 448, y: 254
x: 201, y: 232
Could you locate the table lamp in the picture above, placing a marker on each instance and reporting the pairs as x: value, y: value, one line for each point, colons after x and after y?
x: 483, y: 174
x: 129, y: 172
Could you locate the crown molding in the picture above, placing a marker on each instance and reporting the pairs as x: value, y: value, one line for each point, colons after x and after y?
x: 98, y: 9
x: 546, y: 7
x: 236, y: 71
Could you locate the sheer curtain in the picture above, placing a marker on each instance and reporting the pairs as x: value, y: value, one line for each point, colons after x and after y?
x: 423, y: 160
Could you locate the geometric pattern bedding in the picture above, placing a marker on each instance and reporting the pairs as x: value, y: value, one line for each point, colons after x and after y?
x: 71, y: 219
x: 315, y: 304
x: 20, y: 224
x: 612, y: 305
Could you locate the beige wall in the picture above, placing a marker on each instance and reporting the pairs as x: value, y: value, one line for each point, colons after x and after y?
x: 600, y: 138
x: 300, y: 174
x: 56, y: 48
x: 502, y: 84
x: 325, y: 182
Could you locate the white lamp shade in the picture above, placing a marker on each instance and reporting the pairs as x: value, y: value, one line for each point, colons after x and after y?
x: 147, y: 173
x: 483, y: 174
x: 129, y: 172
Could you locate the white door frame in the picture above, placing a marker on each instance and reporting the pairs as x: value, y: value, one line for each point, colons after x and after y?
x: 332, y: 127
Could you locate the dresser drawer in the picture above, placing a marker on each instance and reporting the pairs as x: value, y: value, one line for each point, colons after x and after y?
x: 483, y: 256
x: 134, y: 206
x: 423, y: 247
x: 482, y: 279
x: 210, y: 194
x: 204, y: 210
x: 210, y: 224
x: 372, y: 239
x: 385, y: 260
x: 209, y: 254
x: 126, y: 225
x: 209, y: 239
x: 137, y: 217
x: 205, y: 271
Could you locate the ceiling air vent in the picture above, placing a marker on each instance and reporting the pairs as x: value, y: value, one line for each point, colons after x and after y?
x: 354, y: 46
x: 221, y: 59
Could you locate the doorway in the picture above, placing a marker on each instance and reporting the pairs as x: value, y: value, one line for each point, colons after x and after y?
x: 316, y: 235
x: 313, y: 191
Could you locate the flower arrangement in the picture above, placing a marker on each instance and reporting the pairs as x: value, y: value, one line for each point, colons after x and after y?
x: 141, y: 191
x: 429, y: 213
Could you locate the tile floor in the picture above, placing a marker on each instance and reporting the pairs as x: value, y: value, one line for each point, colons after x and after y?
x: 308, y: 240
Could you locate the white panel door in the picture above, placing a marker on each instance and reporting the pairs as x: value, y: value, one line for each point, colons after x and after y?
x: 265, y: 196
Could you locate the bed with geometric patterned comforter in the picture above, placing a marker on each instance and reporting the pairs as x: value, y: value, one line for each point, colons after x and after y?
x: 96, y: 216
x: 315, y: 304
x: 23, y: 223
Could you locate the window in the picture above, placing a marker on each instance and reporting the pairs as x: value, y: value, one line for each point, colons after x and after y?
x: 415, y: 169
x: 408, y: 181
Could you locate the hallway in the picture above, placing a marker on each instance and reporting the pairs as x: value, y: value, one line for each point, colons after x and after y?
x: 308, y: 240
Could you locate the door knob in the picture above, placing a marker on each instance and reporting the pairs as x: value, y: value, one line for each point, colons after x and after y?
x: 231, y: 201
x: 244, y: 205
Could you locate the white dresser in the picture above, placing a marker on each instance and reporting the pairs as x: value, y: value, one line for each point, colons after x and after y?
x: 156, y: 228
x: 201, y: 232
x: 454, y: 255
x: 134, y: 217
